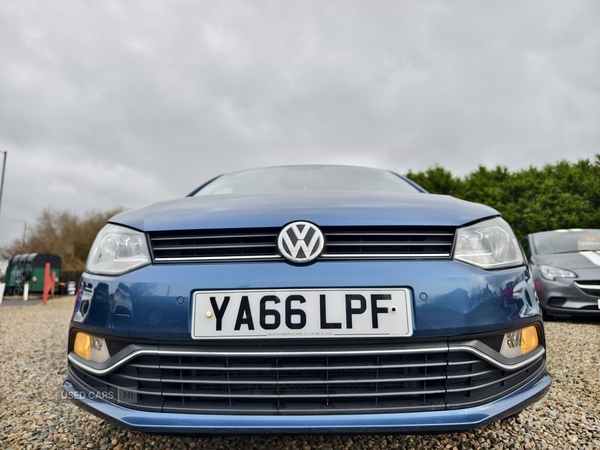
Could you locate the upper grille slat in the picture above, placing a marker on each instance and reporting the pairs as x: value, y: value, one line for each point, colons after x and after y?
x: 308, y: 394
x: 210, y: 247
x: 223, y: 236
x: 383, y: 233
x: 273, y: 381
x: 374, y: 242
x: 289, y: 368
x: 383, y: 244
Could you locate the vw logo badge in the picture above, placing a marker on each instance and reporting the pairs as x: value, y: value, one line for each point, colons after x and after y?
x: 300, y: 242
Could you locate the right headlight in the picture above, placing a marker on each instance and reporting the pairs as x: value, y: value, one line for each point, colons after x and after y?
x: 117, y: 250
x: 490, y: 245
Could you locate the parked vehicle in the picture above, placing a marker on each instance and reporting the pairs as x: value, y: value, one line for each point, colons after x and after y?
x: 307, y: 299
x: 30, y: 268
x: 566, y: 269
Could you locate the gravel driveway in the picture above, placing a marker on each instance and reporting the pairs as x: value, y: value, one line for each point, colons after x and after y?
x: 34, y: 415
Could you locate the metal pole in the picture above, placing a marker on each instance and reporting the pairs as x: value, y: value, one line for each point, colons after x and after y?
x: 2, y: 182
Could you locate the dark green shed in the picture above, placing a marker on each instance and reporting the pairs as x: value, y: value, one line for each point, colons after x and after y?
x: 30, y: 268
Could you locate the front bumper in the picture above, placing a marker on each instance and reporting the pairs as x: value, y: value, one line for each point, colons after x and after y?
x: 416, y: 422
x: 563, y: 299
x: 450, y: 301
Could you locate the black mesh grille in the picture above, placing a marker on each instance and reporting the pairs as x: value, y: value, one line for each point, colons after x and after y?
x: 306, y: 385
x: 415, y: 242
x: 259, y: 244
x: 213, y: 244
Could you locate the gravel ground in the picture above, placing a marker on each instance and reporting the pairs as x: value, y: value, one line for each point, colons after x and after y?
x: 33, y: 415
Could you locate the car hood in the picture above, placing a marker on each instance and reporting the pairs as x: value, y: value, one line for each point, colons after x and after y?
x: 321, y: 208
x: 574, y: 260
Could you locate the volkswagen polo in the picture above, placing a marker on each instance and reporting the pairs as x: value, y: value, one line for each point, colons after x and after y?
x: 313, y: 299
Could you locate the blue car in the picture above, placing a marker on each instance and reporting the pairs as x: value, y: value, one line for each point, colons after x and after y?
x: 306, y: 299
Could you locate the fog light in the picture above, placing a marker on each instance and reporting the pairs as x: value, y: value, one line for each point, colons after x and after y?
x: 529, y: 339
x: 521, y: 342
x: 91, y: 348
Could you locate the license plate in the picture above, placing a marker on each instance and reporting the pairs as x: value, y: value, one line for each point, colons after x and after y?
x: 302, y: 313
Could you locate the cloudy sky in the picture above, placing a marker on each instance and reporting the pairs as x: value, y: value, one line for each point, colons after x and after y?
x: 110, y: 103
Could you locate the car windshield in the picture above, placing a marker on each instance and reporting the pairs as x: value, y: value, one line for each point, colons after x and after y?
x: 307, y: 178
x: 566, y: 241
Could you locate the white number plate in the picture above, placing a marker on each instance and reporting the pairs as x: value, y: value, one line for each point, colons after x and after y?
x: 302, y: 313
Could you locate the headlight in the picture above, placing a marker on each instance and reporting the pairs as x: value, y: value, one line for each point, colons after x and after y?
x: 117, y: 250
x: 489, y: 245
x: 551, y: 273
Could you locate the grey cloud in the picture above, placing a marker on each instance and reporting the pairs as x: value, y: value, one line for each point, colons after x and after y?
x: 133, y: 102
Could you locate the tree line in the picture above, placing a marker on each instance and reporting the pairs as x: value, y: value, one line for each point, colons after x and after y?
x: 61, y: 233
x: 562, y: 195
x: 557, y: 196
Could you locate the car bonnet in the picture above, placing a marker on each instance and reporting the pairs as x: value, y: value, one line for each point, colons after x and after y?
x: 571, y: 260
x: 322, y: 208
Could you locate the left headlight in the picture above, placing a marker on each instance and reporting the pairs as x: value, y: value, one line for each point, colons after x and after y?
x: 117, y: 250
x: 490, y: 245
x: 552, y: 273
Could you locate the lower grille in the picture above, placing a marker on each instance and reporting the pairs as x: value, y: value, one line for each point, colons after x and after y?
x: 337, y: 384
x: 589, y: 287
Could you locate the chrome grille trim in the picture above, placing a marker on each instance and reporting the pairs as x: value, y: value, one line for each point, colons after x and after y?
x: 383, y: 233
x: 587, y: 286
x: 385, y: 256
x: 193, y: 353
x: 536, y: 354
x: 74, y: 359
x: 222, y: 258
x: 221, y: 236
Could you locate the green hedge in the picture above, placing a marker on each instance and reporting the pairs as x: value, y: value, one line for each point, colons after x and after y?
x: 563, y: 195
